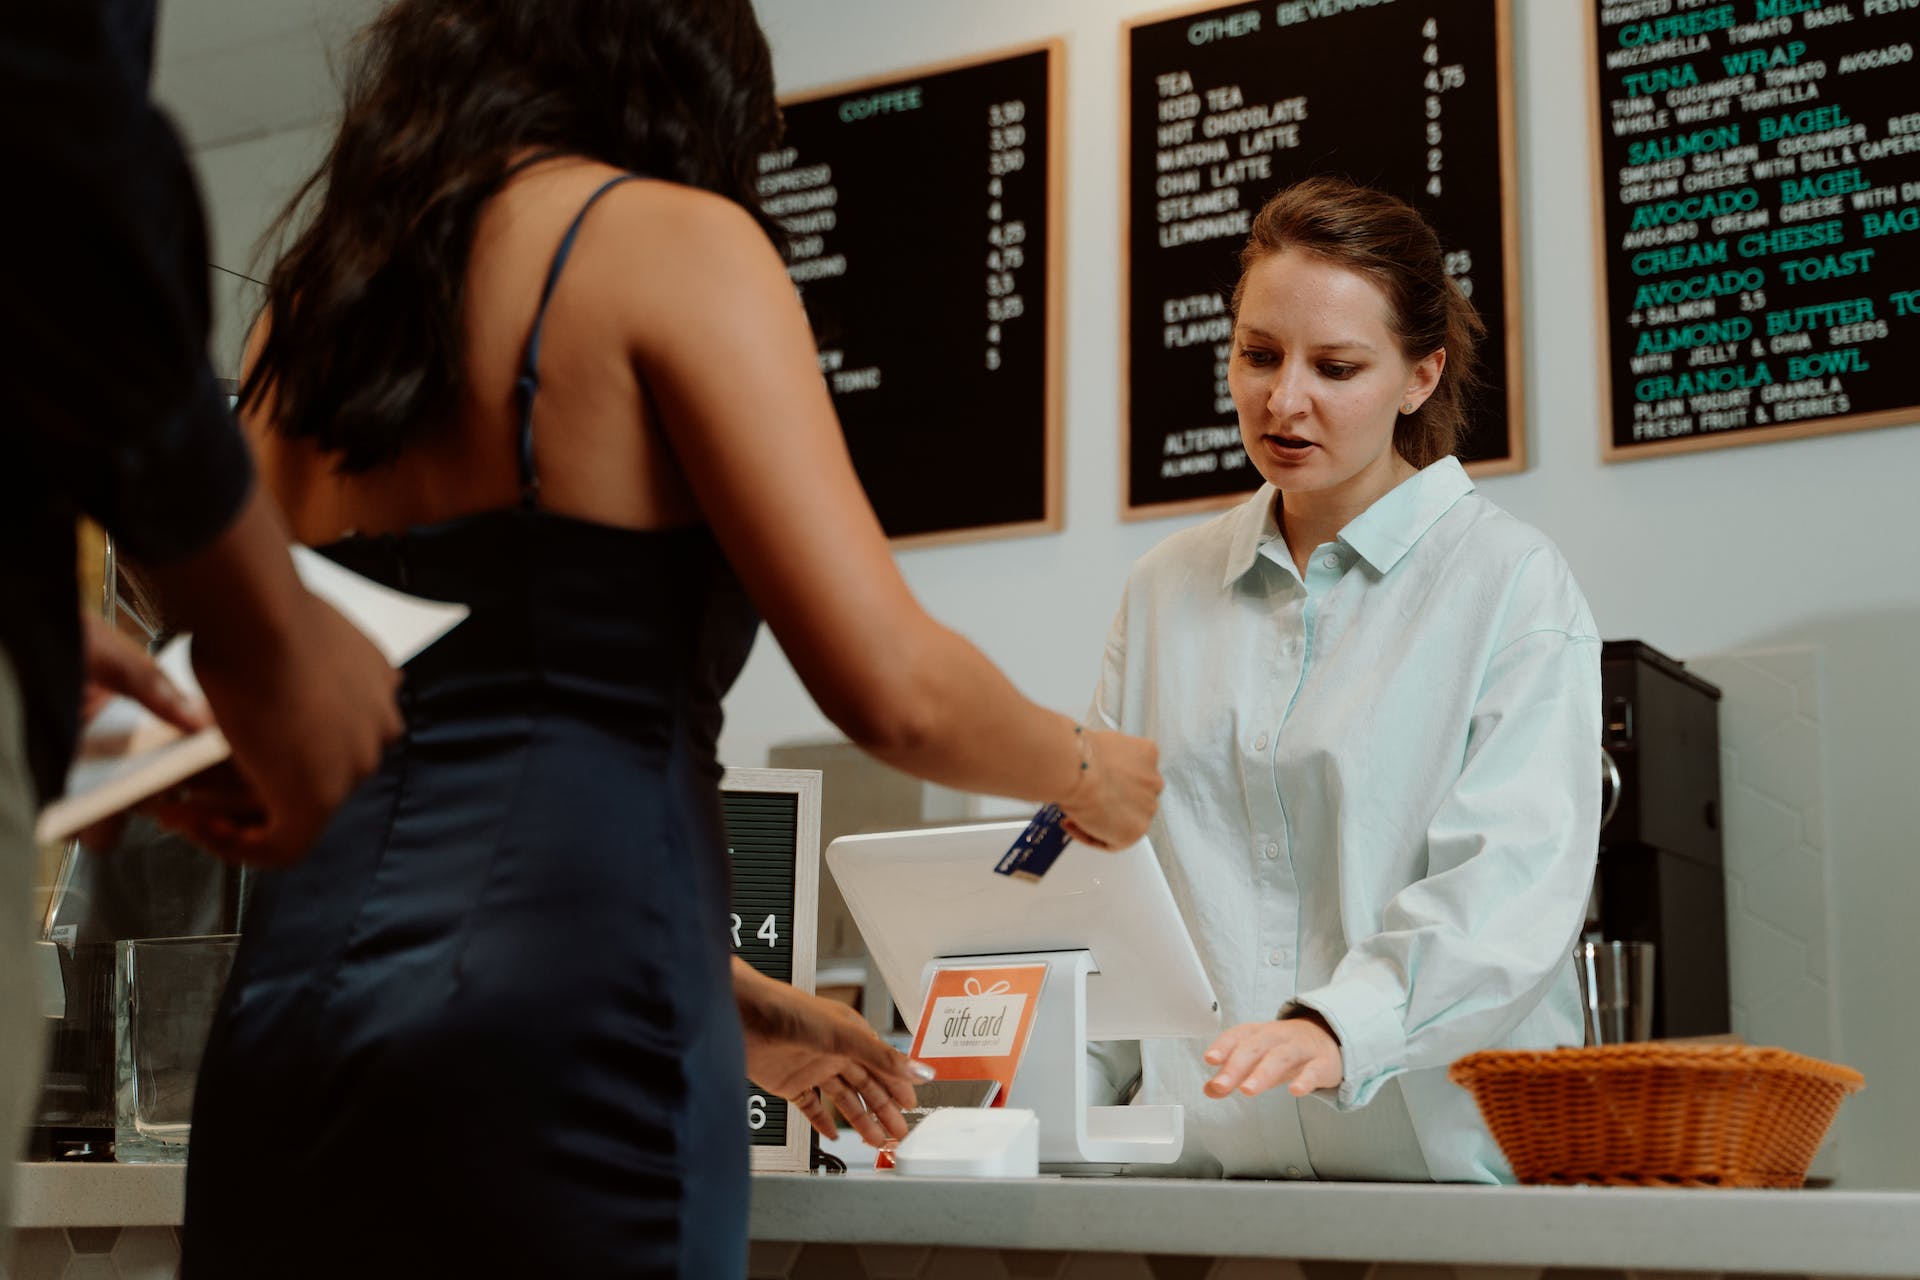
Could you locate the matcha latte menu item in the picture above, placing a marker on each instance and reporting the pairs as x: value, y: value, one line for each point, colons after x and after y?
x: 1758, y: 172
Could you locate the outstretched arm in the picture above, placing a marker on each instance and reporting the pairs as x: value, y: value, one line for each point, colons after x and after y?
x: 723, y: 346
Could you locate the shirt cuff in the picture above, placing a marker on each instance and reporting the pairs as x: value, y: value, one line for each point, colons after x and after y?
x: 180, y: 486
x: 1365, y: 1012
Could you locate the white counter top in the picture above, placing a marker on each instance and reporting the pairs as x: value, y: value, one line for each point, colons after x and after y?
x: 83, y: 1194
x: 1812, y: 1233
x: 1825, y: 1233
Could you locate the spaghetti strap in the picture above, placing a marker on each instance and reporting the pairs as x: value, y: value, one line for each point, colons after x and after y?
x: 528, y: 385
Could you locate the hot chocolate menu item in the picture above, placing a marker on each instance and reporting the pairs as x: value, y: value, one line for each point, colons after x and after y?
x: 1225, y: 106
x: 924, y: 211
x: 1758, y: 167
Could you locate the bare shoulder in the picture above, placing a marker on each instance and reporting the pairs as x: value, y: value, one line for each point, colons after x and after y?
x: 683, y: 257
x: 675, y: 228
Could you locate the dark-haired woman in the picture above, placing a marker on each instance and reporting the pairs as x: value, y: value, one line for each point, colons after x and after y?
x: 533, y: 351
x: 1377, y: 701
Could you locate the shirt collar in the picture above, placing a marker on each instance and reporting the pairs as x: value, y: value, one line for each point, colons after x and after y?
x: 1380, y: 535
x: 1253, y: 526
x: 1387, y: 530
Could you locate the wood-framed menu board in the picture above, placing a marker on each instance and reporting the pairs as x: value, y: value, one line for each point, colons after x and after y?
x: 1757, y: 168
x: 1226, y: 105
x: 926, y: 221
x: 773, y: 841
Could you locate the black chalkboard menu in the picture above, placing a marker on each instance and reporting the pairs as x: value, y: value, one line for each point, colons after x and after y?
x: 924, y: 215
x: 1758, y: 169
x: 1227, y: 105
x: 773, y: 841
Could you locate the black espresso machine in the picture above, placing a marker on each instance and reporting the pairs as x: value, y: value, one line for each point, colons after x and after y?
x: 1661, y: 876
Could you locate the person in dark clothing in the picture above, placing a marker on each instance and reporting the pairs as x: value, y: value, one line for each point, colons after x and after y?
x: 111, y: 410
x: 533, y: 349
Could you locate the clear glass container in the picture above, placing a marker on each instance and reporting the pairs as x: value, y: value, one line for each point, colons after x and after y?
x: 165, y: 991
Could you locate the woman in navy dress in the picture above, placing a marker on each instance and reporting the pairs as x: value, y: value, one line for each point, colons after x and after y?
x: 534, y: 350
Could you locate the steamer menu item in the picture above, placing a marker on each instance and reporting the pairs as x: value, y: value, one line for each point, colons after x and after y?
x: 772, y: 819
x: 1758, y: 171
x: 925, y: 217
x: 1227, y: 105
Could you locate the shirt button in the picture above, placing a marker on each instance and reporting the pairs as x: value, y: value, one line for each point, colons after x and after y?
x: 1272, y: 851
x: 1331, y: 561
x: 1260, y: 743
x: 1277, y: 956
x: 1295, y: 1171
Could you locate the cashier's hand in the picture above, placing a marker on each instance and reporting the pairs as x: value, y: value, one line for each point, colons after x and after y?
x: 804, y: 1049
x: 1300, y: 1052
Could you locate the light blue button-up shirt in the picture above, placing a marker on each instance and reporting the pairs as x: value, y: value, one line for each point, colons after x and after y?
x: 1382, y: 803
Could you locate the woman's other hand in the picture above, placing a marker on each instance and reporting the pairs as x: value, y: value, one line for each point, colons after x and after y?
x: 803, y: 1047
x: 1299, y: 1052
x: 117, y: 664
x: 1118, y: 791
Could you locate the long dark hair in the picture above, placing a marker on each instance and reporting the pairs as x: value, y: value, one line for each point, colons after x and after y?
x: 365, y: 344
x: 1386, y: 240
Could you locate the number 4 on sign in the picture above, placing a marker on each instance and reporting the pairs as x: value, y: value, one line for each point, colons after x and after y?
x: 768, y: 932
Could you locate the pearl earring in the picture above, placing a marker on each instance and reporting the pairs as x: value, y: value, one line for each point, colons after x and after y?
x: 1408, y: 407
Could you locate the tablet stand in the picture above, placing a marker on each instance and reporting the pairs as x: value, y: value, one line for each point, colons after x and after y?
x: 1052, y: 1077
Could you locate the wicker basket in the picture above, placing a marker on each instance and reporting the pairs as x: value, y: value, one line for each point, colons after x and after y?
x: 1657, y: 1114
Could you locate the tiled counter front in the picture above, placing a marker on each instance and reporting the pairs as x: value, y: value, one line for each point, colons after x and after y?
x: 114, y: 1222
x: 96, y: 1222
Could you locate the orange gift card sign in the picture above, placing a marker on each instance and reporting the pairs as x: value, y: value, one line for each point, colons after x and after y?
x: 976, y: 1022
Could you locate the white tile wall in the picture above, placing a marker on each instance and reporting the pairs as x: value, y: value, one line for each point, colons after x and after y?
x: 1773, y: 786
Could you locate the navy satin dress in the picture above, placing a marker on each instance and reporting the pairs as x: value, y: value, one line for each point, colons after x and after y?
x: 486, y: 1026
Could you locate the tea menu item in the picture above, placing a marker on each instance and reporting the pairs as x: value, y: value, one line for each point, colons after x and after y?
x: 1758, y: 169
x: 924, y: 212
x: 1227, y: 105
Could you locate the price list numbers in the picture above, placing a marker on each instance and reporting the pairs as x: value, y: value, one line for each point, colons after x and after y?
x: 1437, y: 78
x: 1760, y: 164
x: 1006, y: 237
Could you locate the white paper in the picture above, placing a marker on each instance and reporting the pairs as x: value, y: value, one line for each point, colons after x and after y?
x: 127, y: 753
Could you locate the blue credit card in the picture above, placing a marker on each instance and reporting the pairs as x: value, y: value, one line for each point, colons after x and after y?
x: 1034, y: 851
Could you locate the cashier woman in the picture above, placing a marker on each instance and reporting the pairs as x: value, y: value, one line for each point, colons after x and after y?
x: 1377, y: 700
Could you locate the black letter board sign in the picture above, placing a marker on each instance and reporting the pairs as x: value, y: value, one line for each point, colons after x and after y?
x: 1224, y: 107
x: 924, y: 215
x: 1757, y: 168
x: 773, y: 841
